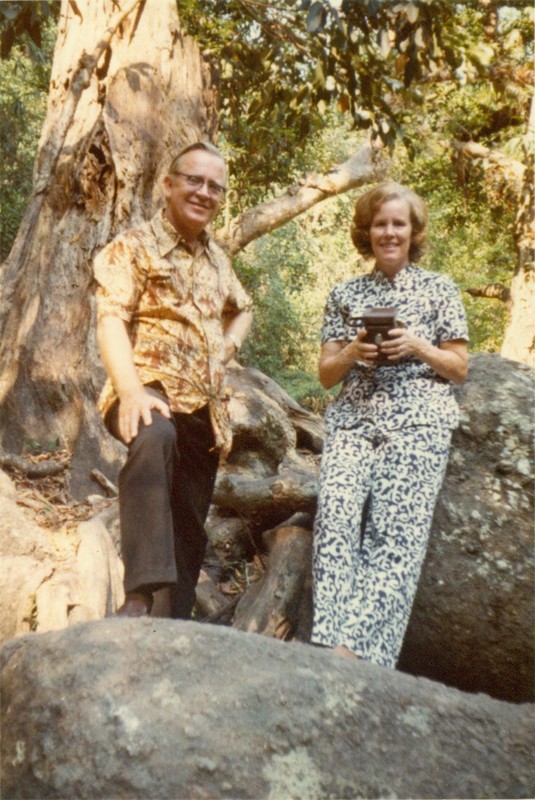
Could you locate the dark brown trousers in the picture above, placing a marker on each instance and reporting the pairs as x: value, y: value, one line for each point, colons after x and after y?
x: 165, y: 490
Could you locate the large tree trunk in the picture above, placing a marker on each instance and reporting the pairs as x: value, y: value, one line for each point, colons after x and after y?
x: 519, y: 340
x: 127, y: 90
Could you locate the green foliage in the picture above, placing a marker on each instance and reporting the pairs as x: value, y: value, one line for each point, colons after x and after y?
x: 266, y: 84
x: 283, y: 67
x: 27, y: 23
x: 291, y: 272
x: 24, y: 78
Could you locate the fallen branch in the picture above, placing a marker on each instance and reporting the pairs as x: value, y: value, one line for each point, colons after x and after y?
x: 28, y: 468
x: 268, y: 501
x: 279, y: 604
x: 110, y: 487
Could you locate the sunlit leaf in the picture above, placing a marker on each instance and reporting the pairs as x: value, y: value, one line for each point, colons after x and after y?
x: 330, y: 83
x: 412, y: 13
x: 419, y: 40
x: 481, y: 53
x: 384, y: 42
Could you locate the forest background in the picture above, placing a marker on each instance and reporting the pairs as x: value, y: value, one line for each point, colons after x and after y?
x: 282, y: 117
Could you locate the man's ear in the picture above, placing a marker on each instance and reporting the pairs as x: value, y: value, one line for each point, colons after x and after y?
x: 167, y: 185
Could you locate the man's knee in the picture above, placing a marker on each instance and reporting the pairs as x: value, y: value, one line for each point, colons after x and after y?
x: 159, y: 436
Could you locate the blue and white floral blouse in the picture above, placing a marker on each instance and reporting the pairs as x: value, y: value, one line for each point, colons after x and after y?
x: 409, y: 392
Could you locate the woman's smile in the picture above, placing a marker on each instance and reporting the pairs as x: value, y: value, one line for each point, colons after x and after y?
x: 390, y: 236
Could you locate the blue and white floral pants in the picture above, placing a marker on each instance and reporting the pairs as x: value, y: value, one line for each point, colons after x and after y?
x: 366, y: 570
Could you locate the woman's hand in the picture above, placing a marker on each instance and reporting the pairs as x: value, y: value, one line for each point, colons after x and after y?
x: 365, y: 352
x: 337, y: 358
x: 402, y: 343
x: 449, y: 359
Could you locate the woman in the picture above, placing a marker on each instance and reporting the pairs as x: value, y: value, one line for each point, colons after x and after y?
x: 388, y: 432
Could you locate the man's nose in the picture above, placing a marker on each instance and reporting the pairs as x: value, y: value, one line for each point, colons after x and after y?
x: 203, y: 189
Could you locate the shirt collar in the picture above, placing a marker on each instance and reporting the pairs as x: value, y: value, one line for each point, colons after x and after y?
x: 402, y: 280
x: 167, y: 237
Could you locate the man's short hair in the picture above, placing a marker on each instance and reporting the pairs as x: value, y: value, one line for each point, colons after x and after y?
x: 207, y: 146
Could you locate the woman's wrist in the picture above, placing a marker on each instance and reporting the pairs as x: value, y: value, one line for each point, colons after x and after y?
x: 348, y: 358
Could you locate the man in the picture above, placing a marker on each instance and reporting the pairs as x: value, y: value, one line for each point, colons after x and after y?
x: 171, y: 313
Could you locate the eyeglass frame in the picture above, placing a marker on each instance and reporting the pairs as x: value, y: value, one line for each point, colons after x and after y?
x: 197, y: 181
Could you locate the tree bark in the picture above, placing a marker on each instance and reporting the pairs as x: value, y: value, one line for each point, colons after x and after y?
x: 519, y: 339
x: 127, y: 90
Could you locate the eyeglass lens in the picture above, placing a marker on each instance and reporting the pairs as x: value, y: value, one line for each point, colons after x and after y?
x: 196, y: 181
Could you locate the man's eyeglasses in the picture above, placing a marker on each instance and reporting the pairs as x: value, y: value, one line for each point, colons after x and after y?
x: 197, y: 181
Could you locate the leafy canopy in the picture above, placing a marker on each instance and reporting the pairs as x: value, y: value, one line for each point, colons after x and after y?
x: 284, y: 64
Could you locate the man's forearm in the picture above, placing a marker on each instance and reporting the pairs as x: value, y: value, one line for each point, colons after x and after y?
x: 116, y: 352
x: 237, y: 327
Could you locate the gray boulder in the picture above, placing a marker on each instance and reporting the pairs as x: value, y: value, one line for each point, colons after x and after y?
x: 165, y: 709
x: 473, y: 621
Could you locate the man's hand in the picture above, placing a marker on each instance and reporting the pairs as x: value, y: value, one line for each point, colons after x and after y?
x: 235, y: 330
x: 135, y: 402
x: 136, y: 405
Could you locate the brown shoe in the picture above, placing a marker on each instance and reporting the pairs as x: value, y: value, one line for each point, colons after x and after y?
x: 135, y: 605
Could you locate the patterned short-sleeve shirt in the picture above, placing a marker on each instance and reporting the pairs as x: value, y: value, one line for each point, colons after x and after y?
x: 174, y: 304
x: 408, y: 392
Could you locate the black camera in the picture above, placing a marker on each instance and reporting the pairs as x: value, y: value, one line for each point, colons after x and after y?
x: 378, y: 322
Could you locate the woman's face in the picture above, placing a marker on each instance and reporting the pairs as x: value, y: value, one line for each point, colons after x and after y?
x: 390, y: 236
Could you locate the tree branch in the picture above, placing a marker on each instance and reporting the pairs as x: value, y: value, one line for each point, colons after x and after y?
x: 511, y: 169
x: 365, y: 166
x: 495, y: 291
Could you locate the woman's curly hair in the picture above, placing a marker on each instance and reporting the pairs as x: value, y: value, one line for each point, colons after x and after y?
x: 370, y: 202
